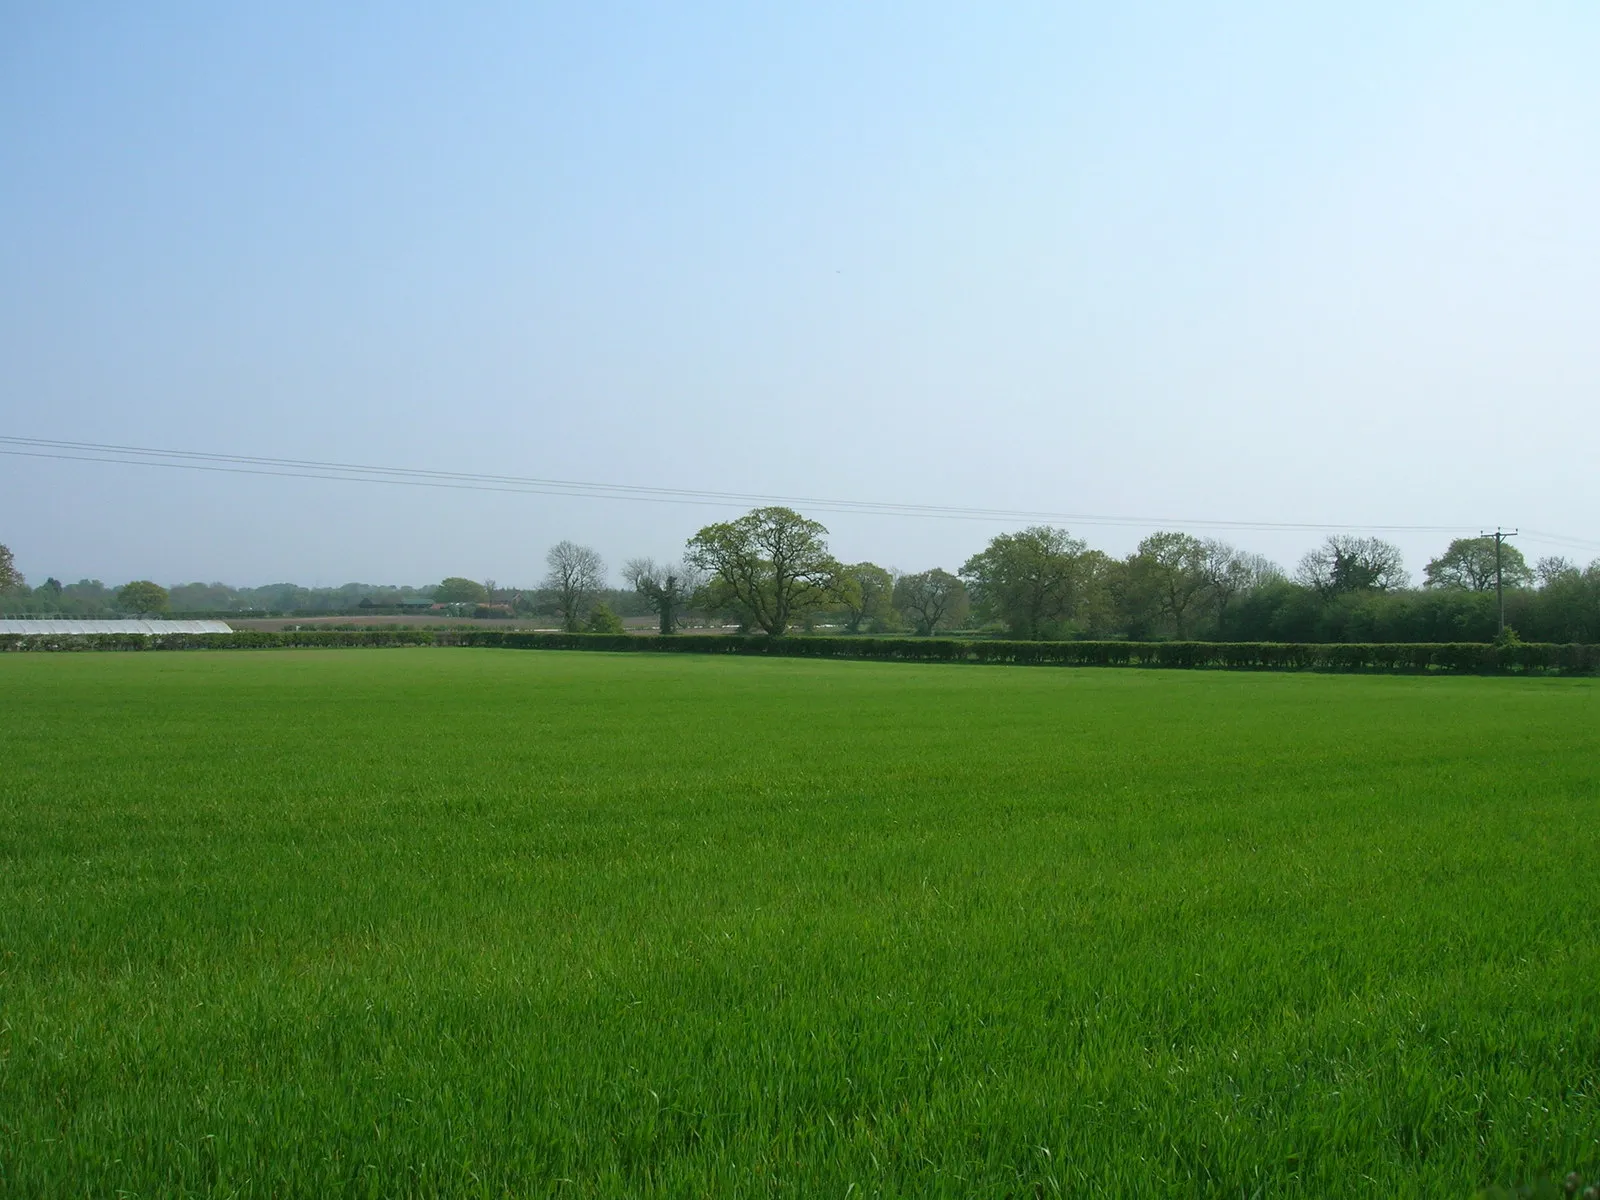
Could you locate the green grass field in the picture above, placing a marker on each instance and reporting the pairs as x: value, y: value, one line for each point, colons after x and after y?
x: 457, y: 922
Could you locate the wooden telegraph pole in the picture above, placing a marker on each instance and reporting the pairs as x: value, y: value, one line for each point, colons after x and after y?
x: 1499, y: 586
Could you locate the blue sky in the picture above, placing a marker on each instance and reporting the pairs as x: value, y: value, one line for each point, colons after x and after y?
x: 1332, y: 264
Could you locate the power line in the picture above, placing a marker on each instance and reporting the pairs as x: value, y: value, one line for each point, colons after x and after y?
x: 363, y: 473
x: 1556, y: 539
x: 293, y: 468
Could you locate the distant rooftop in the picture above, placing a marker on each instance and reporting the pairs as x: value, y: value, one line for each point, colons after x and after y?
x: 57, y: 628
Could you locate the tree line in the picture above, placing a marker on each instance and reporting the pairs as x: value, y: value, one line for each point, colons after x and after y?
x: 771, y: 571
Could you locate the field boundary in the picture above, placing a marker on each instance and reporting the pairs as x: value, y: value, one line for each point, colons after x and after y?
x: 1458, y: 658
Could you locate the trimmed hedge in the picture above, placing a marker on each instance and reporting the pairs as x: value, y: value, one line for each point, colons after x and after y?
x: 1457, y: 657
x: 1473, y: 658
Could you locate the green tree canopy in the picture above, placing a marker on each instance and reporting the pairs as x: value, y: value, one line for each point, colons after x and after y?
x: 1568, y: 605
x: 1029, y: 580
x: 142, y: 597
x: 10, y: 577
x: 771, y: 565
x: 1168, y: 576
x: 1468, y: 563
x: 457, y: 590
x: 603, y: 620
x: 866, y: 593
x: 931, y: 600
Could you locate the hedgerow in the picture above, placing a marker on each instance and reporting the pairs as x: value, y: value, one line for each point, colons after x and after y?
x: 1468, y: 658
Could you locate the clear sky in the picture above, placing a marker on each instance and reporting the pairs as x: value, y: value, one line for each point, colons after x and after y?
x: 1323, y: 263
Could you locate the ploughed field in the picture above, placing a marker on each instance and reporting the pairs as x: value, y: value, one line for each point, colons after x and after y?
x: 462, y: 922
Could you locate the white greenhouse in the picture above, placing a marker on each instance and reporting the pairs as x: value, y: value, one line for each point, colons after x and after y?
x: 58, y: 628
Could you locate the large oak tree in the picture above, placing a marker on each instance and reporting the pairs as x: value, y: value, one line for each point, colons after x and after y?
x: 1030, y: 580
x: 772, y: 566
x: 457, y: 590
x: 1469, y: 563
x: 142, y: 597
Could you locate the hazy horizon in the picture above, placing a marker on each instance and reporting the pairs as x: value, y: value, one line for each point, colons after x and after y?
x: 1231, y: 264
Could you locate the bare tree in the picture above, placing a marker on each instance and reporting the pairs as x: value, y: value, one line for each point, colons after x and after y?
x: 576, y: 574
x: 666, y: 588
x: 1352, y: 564
x: 1232, y: 573
x: 1553, y: 568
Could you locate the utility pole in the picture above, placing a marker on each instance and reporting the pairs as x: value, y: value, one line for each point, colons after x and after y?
x: 1499, y: 586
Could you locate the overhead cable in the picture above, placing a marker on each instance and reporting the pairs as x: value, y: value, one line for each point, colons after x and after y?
x: 295, y: 468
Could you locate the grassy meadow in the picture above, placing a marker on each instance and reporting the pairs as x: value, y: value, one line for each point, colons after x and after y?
x: 490, y: 923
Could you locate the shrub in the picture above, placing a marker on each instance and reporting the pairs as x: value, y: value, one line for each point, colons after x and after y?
x: 603, y: 620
